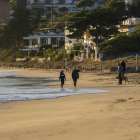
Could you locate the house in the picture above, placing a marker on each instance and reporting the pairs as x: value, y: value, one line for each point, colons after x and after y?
x: 127, y: 1
x: 4, y: 10
x: 127, y: 28
x: 44, y: 6
x: 50, y: 36
x: 131, y: 21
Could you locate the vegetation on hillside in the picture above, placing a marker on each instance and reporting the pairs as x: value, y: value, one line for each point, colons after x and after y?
x: 122, y: 43
x: 101, y: 24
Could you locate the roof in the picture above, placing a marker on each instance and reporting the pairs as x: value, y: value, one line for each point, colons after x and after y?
x: 45, y: 33
x: 61, y: 2
x: 126, y: 26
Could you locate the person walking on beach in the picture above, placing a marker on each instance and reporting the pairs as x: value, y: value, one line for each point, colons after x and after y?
x: 120, y: 69
x: 123, y: 65
x: 62, y: 77
x: 75, y: 76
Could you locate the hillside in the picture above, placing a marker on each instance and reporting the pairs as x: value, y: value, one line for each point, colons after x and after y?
x: 105, y: 66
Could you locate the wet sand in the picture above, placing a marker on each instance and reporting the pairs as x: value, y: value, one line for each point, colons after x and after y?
x: 103, y: 116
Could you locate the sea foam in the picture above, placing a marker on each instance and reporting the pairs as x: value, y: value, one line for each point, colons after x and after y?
x: 14, y: 88
x: 34, y: 94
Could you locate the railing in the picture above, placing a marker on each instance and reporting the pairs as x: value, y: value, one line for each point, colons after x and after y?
x: 32, y: 46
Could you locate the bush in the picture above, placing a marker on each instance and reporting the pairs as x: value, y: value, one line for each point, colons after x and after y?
x: 47, y: 52
x: 56, y: 51
x: 19, y: 54
x: 3, y: 55
x: 64, y: 53
x: 39, y: 54
x: 46, y: 46
x: 76, y: 52
x: 58, y: 57
x: 78, y: 46
x: 10, y: 58
x: 70, y: 55
x: 32, y: 53
x: 27, y: 58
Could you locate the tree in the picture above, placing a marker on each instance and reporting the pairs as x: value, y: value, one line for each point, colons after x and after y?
x: 35, y: 22
x: 63, y: 10
x: 21, y: 3
x: 100, y: 22
x: 133, y: 8
x: 19, y: 26
x: 85, y: 3
x: 122, y: 43
x: 13, y: 4
x: 78, y: 46
x: 66, y: 19
x: 17, y: 3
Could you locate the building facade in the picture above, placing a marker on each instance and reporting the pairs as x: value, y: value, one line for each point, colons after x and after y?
x: 131, y: 21
x: 127, y: 1
x: 4, y: 10
x: 127, y: 28
x: 51, y: 36
x: 44, y: 6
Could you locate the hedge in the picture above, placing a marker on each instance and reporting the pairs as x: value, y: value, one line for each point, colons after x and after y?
x: 46, y: 46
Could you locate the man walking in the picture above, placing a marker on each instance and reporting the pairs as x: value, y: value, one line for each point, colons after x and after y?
x: 75, y: 76
x: 120, y: 69
x: 62, y: 77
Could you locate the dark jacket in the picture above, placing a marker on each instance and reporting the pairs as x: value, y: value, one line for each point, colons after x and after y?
x: 75, y: 74
x: 123, y: 65
x: 62, y: 76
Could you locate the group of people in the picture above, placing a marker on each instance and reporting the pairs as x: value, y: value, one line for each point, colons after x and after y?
x: 121, y: 70
x: 75, y: 76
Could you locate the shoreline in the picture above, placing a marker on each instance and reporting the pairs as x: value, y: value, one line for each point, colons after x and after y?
x: 104, y: 116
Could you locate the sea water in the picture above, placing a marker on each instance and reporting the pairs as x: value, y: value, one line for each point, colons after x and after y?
x: 15, y: 88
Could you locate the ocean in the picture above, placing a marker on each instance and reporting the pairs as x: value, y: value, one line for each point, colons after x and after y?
x: 15, y: 88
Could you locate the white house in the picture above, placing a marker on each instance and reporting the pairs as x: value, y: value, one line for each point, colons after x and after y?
x: 131, y: 21
x: 127, y: 1
x: 127, y: 28
x: 33, y: 41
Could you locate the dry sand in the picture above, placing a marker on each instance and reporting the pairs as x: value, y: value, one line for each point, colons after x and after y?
x: 103, y: 116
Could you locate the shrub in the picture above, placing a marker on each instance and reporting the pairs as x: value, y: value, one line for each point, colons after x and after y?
x: 56, y: 51
x: 27, y: 58
x: 3, y: 55
x: 70, y: 55
x: 76, y: 52
x: 46, y: 46
x: 32, y: 53
x: 78, y: 46
x: 39, y: 53
x: 10, y: 58
x: 19, y: 54
x: 58, y: 57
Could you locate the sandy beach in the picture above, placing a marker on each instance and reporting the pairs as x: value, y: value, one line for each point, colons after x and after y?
x: 104, y: 116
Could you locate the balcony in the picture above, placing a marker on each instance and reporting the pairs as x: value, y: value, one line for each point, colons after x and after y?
x: 32, y: 46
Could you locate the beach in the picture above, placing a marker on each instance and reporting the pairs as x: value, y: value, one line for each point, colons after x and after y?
x: 111, y: 115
